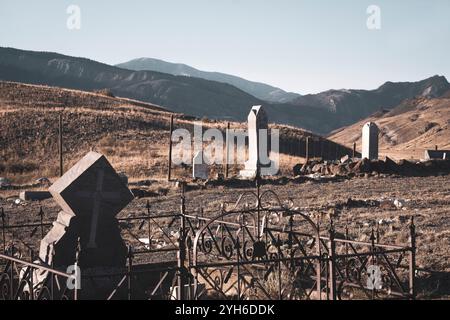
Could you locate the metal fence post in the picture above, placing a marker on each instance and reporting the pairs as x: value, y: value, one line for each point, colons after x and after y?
x: 412, y: 259
x: 169, y: 171
x: 149, y: 226
x: 41, y: 216
x: 319, y: 262
x: 280, y: 284
x: 60, y: 145
x: 181, y: 247
x: 11, y: 274
x: 307, y: 150
x: 373, y: 261
x: 2, y: 215
x: 332, y: 263
x: 130, y: 265
x: 227, y: 149
x: 52, y: 283
x: 77, y: 260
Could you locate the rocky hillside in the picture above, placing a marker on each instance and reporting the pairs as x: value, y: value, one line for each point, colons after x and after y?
x: 353, y: 105
x: 407, y: 130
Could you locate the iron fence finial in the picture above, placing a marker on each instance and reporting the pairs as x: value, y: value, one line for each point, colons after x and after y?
x: 372, y: 235
x: 412, y: 232
x: 331, y: 223
x: 78, y: 250
x: 41, y: 212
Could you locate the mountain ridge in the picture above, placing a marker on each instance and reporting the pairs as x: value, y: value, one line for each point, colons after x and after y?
x: 320, y: 113
x: 355, y: 104
x: 259, y: 90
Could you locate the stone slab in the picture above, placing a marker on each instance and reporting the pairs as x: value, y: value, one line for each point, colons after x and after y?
x: 34, y: 195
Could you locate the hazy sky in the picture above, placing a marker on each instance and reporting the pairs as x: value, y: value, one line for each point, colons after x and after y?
x: 301, y: 46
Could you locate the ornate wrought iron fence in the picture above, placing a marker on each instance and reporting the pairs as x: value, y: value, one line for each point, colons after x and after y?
x: 256, y: 248
x: 22, y: 280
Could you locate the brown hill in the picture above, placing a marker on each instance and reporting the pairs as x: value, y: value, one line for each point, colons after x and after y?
x: 320, y: 113
x: 407, y: 130
x: 133, y: 134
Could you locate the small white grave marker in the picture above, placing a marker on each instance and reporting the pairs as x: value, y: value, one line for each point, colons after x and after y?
x: 200, y: 169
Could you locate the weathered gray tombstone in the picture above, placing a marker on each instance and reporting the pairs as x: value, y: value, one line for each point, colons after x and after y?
x: 200, y: 169
x: 257, y: 130
x: 91, y: 194
x: 370, y: 141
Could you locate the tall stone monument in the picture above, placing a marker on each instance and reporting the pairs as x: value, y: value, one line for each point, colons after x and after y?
x: 370, y: 141
x: 258, y: 143
x: 90, y: 194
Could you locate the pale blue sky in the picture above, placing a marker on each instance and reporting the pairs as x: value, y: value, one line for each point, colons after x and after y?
x: 302, y: 46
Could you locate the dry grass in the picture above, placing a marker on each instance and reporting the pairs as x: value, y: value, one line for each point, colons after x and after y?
x: 133, y: 135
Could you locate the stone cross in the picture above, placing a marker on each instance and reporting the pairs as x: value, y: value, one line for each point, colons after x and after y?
x: 92, y: 194
x: 258, y: 142
x: 97, y: 197
x: 370, y: 141
x: 200, y: 169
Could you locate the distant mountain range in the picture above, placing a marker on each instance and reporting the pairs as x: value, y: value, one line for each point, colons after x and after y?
x: 188, y: 95
x: 352, y: 105
x: 259, y: 90
x: 320, y: 113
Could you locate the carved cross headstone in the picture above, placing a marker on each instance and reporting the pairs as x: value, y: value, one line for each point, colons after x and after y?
x: 370, y: 141
x: 200, y: 169
x: 91, y: 194
x: 258, y: 142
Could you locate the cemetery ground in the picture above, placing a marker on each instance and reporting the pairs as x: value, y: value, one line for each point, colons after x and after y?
x: 134, y: 138
x: 383, y: 203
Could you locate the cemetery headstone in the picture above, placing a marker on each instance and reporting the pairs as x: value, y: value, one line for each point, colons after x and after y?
x: 200, y: 169
x: 370, y: 141
x: 257, y: 130
x: 90, y: 194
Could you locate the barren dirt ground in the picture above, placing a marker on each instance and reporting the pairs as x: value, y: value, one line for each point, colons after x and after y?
x: 427, y: 199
